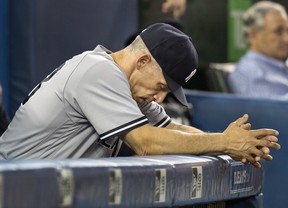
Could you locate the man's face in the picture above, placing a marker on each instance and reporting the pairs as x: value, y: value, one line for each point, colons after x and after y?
x: 272, y: 39
x: 148, y: 84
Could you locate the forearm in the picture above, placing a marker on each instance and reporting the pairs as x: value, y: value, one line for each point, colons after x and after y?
x: 237, y: 140
x: 148, y: 140
x: 184, y: 128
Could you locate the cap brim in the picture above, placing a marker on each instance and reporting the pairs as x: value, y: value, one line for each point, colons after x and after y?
x: 176, y: 90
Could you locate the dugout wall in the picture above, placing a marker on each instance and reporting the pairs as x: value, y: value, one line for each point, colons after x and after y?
x: 43, y: 34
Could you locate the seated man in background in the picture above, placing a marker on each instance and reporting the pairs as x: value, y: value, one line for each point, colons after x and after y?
x: 262, y: 71
x: 4, y: 120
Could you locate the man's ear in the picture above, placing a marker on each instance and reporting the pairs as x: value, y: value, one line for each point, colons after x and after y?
x: 253, y: 33
x: 143, y: 60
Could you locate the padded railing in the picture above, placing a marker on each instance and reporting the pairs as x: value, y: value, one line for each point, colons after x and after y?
x: 154, y: 181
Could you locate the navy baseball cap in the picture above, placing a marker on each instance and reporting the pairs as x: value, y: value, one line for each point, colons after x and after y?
x: 175, y: 53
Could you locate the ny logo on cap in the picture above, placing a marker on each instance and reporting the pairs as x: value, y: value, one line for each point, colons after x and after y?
x: 190, y: 75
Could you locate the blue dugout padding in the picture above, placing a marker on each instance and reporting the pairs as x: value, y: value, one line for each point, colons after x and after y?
x: 4, y: 34
x: 214, y: 111
x: 150, y: 181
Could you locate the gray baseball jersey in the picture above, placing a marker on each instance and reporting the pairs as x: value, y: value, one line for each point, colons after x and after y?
x: 80, y: 110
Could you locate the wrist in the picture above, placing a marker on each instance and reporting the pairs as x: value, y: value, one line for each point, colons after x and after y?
x: 223, y: 143
x: 217, y: 143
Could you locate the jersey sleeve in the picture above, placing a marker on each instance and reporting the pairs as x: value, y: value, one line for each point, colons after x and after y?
x: 99, y: 91
x: 156, y: 114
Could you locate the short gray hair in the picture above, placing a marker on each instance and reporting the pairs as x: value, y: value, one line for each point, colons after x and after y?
x: 137, y: 46
x: 254, y: 17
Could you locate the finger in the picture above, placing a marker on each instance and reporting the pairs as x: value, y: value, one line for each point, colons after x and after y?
x: 257, y: 158
x: 267, y: 157
x: 238, y: 158
x: 246, y: 126
x: 264, y: 132
x: 268, y: 144
x: 249, y: 158
x: 275, y: 145
x: 265, y: 143
x: 244, y: 160
x: 254, y: 162
x: 242, y: 120
x: 234, y: 157
x: 265, y: 150
x: 269, y: 138
x: 257, y: 153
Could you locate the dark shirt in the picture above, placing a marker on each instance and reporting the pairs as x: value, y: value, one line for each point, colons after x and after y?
x: 4, y: 121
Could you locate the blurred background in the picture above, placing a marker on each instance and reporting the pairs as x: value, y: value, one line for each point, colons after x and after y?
x: 36, y: 36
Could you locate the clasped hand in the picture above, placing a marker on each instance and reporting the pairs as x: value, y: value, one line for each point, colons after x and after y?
x: 250, y: 146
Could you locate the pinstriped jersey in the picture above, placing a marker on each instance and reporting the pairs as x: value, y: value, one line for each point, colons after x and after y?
x: 79, y: 110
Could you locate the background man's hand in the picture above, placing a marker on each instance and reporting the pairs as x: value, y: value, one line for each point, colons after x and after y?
x: 176, y: 7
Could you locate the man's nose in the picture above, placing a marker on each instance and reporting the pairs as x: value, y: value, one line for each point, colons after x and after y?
x: 159, y: 97
x: 286, y: 36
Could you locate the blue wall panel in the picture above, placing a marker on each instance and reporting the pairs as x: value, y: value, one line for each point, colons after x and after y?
x: 4, y: 12
x: 213, y: 112
x: 44, y: 33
